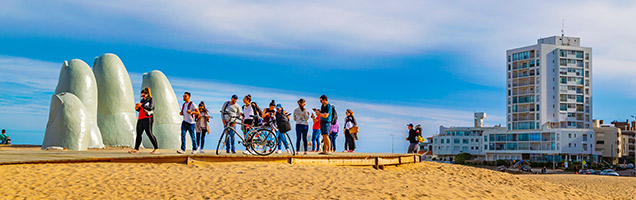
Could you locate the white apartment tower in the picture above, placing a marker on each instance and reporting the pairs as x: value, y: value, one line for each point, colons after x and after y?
x: 549, y: 85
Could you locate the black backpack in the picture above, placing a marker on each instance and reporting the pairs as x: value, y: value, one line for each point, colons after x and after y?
x: 334, y: 115
x: 282, y: 122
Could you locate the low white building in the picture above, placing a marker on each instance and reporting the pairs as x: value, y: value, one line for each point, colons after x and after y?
x: 540, y: 145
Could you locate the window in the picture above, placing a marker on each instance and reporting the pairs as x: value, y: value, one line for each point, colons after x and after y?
x: 587, y: 56
x: 455, y: 140
x: 569, y: 135
x: 442, y: 141
x: 465, y: 141
x: 570, y: 145
x: 448, y: 140
x: 584, y: 137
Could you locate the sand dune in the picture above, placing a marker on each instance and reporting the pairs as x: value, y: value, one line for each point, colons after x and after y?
x: 280, y: 181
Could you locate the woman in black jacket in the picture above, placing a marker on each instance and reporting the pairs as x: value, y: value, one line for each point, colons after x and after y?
x: 350, y: 139
x: 145, y: 107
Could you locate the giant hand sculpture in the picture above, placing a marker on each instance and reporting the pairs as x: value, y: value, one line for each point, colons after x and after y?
x: 116, y: 115
x: 76, y: 77
x: 69, y: 126
x: 167, y: 121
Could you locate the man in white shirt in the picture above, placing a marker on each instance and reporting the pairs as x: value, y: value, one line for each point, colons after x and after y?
x: 188, y: 110
x: 231, y: 112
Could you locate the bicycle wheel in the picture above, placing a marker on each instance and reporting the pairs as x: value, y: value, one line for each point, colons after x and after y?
x: 263, y: 142
x: 222, y: 139
x: 290, y: 144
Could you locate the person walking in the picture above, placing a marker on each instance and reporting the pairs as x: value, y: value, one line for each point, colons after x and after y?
x: 412, y: 139
x: 333, y: 135
x: 325, y: 114
x: 202, y: 127
x: 301, y: 116
x: 315, y: 134
x: 350, y: 138
x: 282, y: 119
x: 188, y: 111
x: 145, y: 107
x: 231, y: 112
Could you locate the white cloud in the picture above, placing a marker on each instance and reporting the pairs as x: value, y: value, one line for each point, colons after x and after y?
x: 476, y: 31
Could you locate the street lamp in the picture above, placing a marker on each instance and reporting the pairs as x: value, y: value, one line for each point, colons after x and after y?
x: 392, y: 139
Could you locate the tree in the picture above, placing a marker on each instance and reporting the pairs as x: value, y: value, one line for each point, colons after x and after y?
x: 463, y: 157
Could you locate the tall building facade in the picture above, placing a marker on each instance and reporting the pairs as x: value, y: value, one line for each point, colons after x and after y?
x: 549, y: 85
x: 549, y: 104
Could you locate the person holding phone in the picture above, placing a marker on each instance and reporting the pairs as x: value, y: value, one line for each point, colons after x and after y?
x: 145, y: 107
x: 325, y: 123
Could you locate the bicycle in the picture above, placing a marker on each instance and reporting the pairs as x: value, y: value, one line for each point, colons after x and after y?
x: 260, y: 140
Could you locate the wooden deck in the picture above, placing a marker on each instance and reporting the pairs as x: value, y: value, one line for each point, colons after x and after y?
x: 13, y: 155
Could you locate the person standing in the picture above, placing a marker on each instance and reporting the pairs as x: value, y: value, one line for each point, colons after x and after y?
x: 350, y: 138
x: 412, y: 139
x: 333, y: 135
x: 188, y: 111
x: 202, y: 127
x: 231, y: 113
x: 315, y: 134
x: 281, y: 114
x: 301, y: 116
x: 325, y: 114
x: 145, y: 107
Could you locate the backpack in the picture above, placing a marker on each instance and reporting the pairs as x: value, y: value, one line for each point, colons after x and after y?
x: 334, y: 115
x: 282, y: 122
x: 189, y: 104
x: 418, y: 130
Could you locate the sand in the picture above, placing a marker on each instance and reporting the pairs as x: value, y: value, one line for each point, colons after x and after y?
x: 204, y: 180
x: 607, y: 186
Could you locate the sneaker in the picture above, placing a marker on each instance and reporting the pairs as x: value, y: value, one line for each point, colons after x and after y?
x: 278, y: 152
x: 201, y: 151
x: 227, y: 151
x: 288, y: 151
x: 194, y: 152
x: 180, y: 151
x: 305, y: 153
x: 233, y: 151
x: 246, y: 152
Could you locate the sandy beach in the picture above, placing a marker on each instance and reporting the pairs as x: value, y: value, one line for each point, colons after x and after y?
x: 204, y: 180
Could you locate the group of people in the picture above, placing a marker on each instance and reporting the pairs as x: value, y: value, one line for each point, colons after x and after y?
x: 4, y: 138
x: 196, y: 123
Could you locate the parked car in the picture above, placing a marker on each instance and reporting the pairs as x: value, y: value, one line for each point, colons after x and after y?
x: 526, y: 168
x: 630, y: 166
x: 609, y: 172
x: 585, y: 172
x: 621, y: 167
x: 595, y: 172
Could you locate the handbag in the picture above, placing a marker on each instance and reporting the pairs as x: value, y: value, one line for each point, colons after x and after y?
x: 353, y: 130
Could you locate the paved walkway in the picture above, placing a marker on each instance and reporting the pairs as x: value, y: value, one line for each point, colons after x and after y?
x: 33, y: 154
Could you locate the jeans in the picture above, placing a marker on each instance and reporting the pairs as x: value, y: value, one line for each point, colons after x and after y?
x: 315, y: 140
x: 229, y: 144
x: 412, y: 148
x: 332, y: 137
x: 201, y: 138
x: 301, y: 133
x: 185, y: 126
x: 281, y: 139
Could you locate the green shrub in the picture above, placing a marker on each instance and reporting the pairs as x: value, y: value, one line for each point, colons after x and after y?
x: 462, y: 158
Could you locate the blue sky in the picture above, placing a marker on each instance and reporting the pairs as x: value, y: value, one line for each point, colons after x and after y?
x: 425, y: 62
